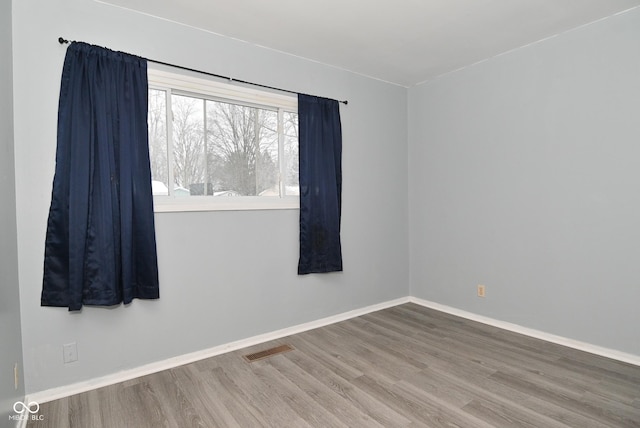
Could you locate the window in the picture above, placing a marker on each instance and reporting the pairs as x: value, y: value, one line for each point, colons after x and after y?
x: 216, y: 145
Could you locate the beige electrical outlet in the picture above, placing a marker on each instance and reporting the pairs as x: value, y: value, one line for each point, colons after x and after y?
x: 481, y: 291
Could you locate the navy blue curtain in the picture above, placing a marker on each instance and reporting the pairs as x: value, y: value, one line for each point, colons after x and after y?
x: 320, y: 140
x: 100, y: 245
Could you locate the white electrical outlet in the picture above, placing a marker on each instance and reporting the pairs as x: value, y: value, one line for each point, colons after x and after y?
x: 70, y: 352
x: 15, y: 376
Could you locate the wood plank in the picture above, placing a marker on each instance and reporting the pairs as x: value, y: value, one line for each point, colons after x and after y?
x: 598, y: 412
x: 327, y: 397
x: 271, y: 409
x: 377, y: 409
x: 303, y: 404
x: 203, y: 397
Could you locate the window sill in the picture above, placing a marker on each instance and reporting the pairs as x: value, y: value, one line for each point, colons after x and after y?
x: 165, y: 204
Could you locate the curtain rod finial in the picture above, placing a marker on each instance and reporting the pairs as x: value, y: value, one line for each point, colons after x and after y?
x: 62, y: 41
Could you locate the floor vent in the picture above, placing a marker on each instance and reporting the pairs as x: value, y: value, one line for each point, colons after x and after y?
x: 268, y: 353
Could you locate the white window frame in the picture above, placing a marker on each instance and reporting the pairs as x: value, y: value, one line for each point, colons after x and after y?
x: 210, y: 89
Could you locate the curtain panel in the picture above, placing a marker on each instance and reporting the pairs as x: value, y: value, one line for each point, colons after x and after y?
x: 100, y: 246
x: 320, y: 151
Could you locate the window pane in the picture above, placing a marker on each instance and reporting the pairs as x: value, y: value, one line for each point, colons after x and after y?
x: 157, y: 123
x: 291, y: 154
x: 220, y: 142
x: 242, y: 149
x: 188, y: 145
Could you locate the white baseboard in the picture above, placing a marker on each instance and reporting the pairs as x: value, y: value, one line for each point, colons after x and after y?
x: 77, y: 388
x: 576, y: 344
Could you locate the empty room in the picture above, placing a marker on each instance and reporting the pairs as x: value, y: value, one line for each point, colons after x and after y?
x: 320, y: 214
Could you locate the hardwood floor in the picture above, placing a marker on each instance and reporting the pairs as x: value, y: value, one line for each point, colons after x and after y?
x: 406, y: 366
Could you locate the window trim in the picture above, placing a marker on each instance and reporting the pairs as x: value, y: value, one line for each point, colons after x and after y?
x: 189, y: 84
x: 164, y: 204
x: 162, y: 79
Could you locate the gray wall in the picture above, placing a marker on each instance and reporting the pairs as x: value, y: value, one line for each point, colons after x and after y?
x: 224, y: 275
x: 10, y: 335
x: 525, y: 177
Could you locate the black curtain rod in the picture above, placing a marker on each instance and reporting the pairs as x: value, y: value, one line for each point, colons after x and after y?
x: 65, y: 41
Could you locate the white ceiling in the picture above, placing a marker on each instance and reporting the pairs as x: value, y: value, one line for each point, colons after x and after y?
x: 405, y: 42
